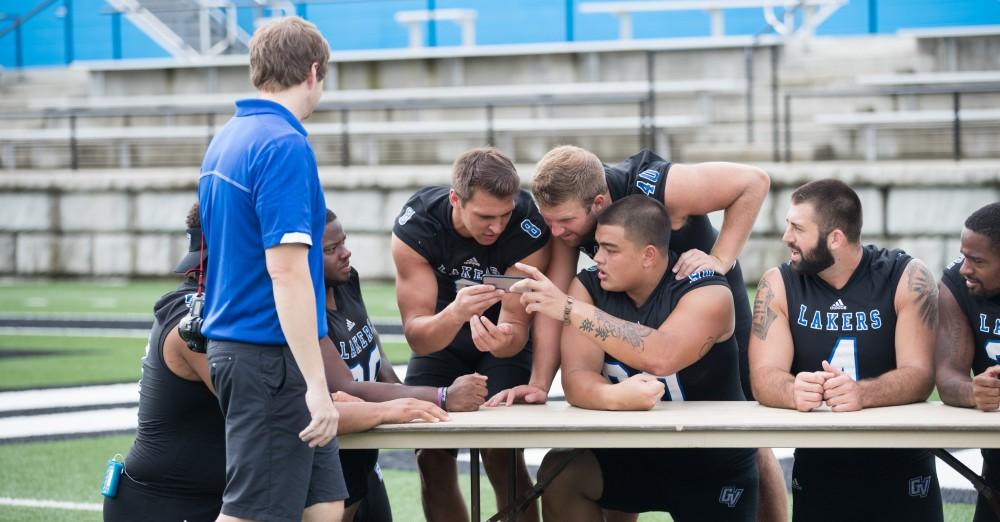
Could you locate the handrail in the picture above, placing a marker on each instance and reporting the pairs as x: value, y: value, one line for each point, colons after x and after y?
x: 955, y: 92
x: 29, y: 15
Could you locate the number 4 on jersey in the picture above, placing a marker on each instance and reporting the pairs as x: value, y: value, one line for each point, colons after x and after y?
x: 845, y: 356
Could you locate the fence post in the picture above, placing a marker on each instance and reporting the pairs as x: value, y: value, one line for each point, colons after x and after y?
x: 788, y: 128
x: 957, y: 126
x: 345, y: 140
x: 74, y: 161
x: 490, y: 131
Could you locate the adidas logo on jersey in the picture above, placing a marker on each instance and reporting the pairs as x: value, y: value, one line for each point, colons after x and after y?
x: 839, y: 305
x: 471, y: 262
x: 350, y: 325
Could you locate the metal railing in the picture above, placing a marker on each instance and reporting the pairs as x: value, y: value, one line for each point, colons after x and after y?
x: 65, y: 128
x: 889, y: 119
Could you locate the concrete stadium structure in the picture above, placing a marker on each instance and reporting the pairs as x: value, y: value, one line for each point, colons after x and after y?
x: 121, y: 212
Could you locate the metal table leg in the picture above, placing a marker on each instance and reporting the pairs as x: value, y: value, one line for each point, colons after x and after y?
x: 474, y: 479
x: 984, y: 489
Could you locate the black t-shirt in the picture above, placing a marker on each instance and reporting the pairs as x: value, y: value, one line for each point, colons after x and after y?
x: 180, y: 441
x: 425, y: 225
x: 352, y: 331
x: 854, y: 328
x: 354, y: 335
x: 983, y: 315
x: 715, y: 377
x: 646, y: 173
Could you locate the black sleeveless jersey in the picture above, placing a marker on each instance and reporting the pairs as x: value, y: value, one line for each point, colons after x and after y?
x: 352, y: 332
x: 180, y: 441
x: 983, y: 315
x: 425, y: 225
x: 713, y: 378
x: 354, y: 335
x: 646, y: 173
x: 854, y: 328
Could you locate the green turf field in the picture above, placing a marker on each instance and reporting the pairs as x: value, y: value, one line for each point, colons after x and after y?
x: 71, y: 470
x: 118, y: 297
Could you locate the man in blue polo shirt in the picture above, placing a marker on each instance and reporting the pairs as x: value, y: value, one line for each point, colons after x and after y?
x: 263, y: 214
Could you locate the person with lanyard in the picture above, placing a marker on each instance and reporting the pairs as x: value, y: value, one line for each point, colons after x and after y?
x: 446, y: 242
x: 572, y: 187
x: 176, y: 468
x: 845, y: 327
x: 356, y: 365
x: 634, y: 335
x: 968, y: 338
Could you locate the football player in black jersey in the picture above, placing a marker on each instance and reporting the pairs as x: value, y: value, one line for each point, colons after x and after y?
x: 357, y: 365
x: 445, y: 241
x: 572, y: 187
x: 633, y: 335
x: 176, y: 469
x: 851, y: 326
x: 969, y: 337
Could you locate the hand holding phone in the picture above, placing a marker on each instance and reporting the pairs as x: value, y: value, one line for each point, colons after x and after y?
x: 502, y: 282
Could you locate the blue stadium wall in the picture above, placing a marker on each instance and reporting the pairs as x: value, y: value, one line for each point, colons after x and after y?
x: 69, y: 30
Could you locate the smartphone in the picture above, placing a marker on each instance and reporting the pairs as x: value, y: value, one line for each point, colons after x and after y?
x: 462, y: 283
x: 502, y: 282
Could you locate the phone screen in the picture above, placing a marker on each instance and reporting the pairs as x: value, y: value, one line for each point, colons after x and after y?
x: 502, y: 282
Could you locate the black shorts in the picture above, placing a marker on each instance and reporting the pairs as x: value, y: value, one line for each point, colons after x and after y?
x: 441, y: 368
x: 137, y: 502
x: 357, y: 466
x: 690, y: 484
x: 271, y: 474
x: 375, y: 506
x: 869, y: 488
x: 991, y: 473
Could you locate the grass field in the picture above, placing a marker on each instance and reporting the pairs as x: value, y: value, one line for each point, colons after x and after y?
x: 71, y: 470
x: 133, y: 297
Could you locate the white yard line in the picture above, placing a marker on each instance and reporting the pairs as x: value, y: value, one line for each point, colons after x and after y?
x: 69, y: 397
x: 74, y: 332
x: 113, y: 419
x: 50, y: 504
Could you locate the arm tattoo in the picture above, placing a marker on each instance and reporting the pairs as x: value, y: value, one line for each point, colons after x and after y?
x: 921, y: 282
x: 763, y: 315
x: 603, y: 326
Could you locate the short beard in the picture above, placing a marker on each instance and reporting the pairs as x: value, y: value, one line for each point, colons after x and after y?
x: 817, y: 261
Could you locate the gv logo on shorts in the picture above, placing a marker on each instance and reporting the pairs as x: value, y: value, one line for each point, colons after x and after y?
x: 730, y: 495
x: 920, y: 486
x: 531, y: 229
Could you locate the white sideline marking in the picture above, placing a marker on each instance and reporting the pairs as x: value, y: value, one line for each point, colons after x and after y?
x: 113, y: 419
x: 75, y: 332
x: 69, y: 397
x: 50, y: 504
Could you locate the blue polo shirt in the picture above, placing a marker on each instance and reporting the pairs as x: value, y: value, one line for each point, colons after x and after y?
x: 259, y: 188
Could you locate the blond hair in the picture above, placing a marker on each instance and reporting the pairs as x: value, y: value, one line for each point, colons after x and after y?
x: 282, y: 53
x: 566, y: 173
